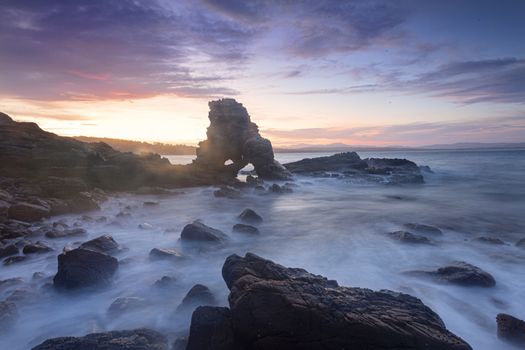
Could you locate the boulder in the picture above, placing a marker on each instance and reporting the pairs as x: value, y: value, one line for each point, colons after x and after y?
x: 460, y: 273
x: 422, y: 228
x: 250, y: 216
x: 211, y: 328
x: 245, y: 229
x: 38, y: 247
x: 28, y: 212
x: 7, y: 250
x: 198, y: 295
x: 511, y: 329
x: 102, y: 244
x: 407, y: 237
x: 165, y: 254
x: 138, y: 339
x: 197, y: 232
x: 274, y: 307
x: 83, y: 268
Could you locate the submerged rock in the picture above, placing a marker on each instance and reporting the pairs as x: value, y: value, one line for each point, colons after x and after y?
x: 490, y: 240
x: 102, y: 244
x: 138, y: 339
x: 521, y: 243
x: 460, y: 273
x: 82, y: 268
x: 126, y: 304
x: 422, y: 228
x: 247, y: 229
x: 8, y: 314
x: 38, y: 247
x: 165, y: 254
x: 274, y: 307
x: 198, y: 232
x: 250, y: 216
x: 407, y: 237
x: 14, y: 259
x: 511, y: 328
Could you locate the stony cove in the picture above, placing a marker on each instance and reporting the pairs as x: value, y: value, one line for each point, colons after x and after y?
x: 55, y: 190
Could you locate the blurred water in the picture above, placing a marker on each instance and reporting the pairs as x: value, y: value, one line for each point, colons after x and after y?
x: 328, y: 226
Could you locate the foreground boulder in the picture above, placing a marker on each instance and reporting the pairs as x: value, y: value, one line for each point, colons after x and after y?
x: 511, y: 328
x: 138, y: 339
x: 198, y: 232
x: 81, y: 268
x: 274, y: 307
x: 460, y: 273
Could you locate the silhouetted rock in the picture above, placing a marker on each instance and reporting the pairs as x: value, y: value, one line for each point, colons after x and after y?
x: 81, y: 268
x: 102, y: 244
x: 211, y: 328
x: 198, y: 232
x: 197, y: 295
x: 511, y: 329
x: 422, y: 228
x: 232, y: 136
x: 246, y: 229
x: 407, y: 237
x: 250, y: 216
x: 138, y: 339
x: 460, y: 273
x: 274, y: 307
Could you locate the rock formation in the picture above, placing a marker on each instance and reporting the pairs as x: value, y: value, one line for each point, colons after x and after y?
x: 274, y: 307
x: 232, y: 136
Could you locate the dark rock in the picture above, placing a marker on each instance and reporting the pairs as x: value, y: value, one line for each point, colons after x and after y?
x: 233, y: 137
x: 521, y: 243
x: 422, y: 228
x: 14, y: 259
x: 250, y: 216
x: 407, y: 237
x: 275, y: 188
x: 197, y: 295
x: 126, y: 304
x: 81, y: 268
x: 38, y: 247
x: 198, y: 232
x: 247, y: 229
x: 66, y: 233
x: 165, y: 254
x: 138, y: 339
x: 227, y: 192
x: 460, y: 273
x: 490, y: 240
x: 8, y: 314
x: 338, y: 162
x: 211, y: 328
x: 254, y: 181
x: 150, y: 204
x: 165, y: 282
x: 180, y: 343
x: 511, y: 329
x: 28, y: 212
x: 102, y: 244
x: 273, y: 307
x: 7, y: 250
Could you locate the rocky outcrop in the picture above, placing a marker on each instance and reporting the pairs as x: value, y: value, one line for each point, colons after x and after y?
x: 274, y: 307
x: 232, y: 136
x: 83, y: 268
x: 138, y: 339
x: 350, y: 165
x: 460, y: 273
x: 511, y: 329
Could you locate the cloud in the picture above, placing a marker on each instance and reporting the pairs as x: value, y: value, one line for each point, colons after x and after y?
x: 511, y: 129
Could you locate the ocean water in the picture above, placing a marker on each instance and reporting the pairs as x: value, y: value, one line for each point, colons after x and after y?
x: 331, y: 227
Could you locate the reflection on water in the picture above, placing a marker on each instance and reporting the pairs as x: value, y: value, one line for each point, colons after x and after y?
x: 328, y: 226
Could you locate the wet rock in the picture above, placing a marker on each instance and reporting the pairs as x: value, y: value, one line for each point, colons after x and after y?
x: 274, y: 307
x: 198, y: 232
x: 7, y: 250
x: 422, y: 228
x: 102, y: 244
x: 460, y: 273
x: 276, y: 189
x: 198, y: 295
x: 138, y: 339
x: 38, y: 247
x: 14, y: 259
x: 521, y: 243
x: 165, y: 282
x: 83, y: 268
x: 66, y: 233
x: 250, y: 216
x: 8, y: 315
x: 28, y: 212
x: 511, y: 329
x: 211, y: 328
x: 126, y: 304
x: 227, y: 192
x: 245, y: 229
x: 150, y: 204
x: 165, y: 254
x: 38, y: 275
x: 233, y: 137
x: 407, y: 237
x: 490, y: 240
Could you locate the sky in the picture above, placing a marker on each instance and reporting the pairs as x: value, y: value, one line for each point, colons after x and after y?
x: 309, y: 72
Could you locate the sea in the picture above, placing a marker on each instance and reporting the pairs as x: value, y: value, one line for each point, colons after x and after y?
x: 332, y: 227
